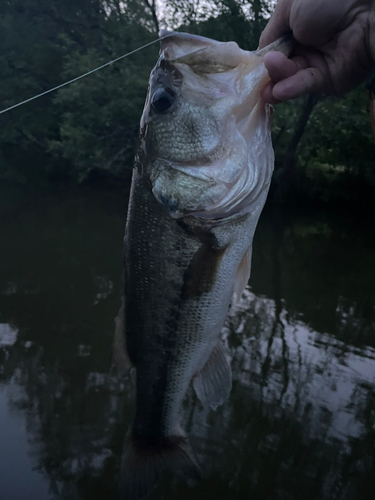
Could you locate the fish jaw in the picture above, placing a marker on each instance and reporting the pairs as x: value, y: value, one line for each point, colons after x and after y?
x: 209, y: 153
x: 177, y: 46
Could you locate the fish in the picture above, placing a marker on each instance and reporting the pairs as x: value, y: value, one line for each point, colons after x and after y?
x: 200, y: 180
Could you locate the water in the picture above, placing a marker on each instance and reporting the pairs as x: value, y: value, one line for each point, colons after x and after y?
x: 300, y: 422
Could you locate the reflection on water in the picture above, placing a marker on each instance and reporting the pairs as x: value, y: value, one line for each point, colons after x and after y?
x: 8, y: 335
x: 300, y: 422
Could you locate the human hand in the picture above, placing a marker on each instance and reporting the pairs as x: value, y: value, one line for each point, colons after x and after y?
x: 335, y: 47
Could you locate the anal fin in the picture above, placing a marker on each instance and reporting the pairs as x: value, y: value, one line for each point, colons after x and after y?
x: 214, y: 382
x: 243, y: 273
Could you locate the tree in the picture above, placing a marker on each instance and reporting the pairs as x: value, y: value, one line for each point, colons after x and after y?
x: 91, y: 126
x: 88, y: 124
x: 100, y: 114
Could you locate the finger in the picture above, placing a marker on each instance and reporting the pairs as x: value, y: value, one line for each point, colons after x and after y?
x: 305, y: 81
x: 267, y: 94
x: 278, y: 24
x: 280, y: 67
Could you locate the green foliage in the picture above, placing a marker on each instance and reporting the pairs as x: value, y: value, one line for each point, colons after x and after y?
x: 334, y: 158
x: 225, y: 20
x: 340, y: 129
x: 89, y: 124
x: 100, y: 114
x: 324, y: 147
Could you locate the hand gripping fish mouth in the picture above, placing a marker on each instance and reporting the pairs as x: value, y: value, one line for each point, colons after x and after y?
x: 200, y: 181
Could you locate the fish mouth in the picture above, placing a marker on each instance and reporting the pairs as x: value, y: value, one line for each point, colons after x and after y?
x: 285, y: 45
x: 201, y: 52
x: 203, y: 61
x: 218, y: 110
x: 175, y: 44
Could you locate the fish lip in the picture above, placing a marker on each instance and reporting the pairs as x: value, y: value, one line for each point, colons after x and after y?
x: 284, y: 44
x: 167, y: 36
x: 177, y: 38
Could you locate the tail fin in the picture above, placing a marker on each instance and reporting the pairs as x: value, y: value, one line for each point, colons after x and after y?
x: 143, y: 462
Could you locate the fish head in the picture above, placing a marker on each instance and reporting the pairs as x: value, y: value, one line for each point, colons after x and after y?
x: 205, y: 131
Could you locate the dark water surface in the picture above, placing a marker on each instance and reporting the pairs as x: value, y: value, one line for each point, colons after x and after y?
x: 300, y: 422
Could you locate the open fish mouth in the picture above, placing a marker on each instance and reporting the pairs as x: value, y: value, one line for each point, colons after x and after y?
x: 179, y: 47
x: 205, y: 118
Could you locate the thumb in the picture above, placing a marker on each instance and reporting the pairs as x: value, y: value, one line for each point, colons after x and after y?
x: 278, y: 24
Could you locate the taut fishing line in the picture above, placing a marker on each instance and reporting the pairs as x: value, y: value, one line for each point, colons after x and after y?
x: 85, y: 74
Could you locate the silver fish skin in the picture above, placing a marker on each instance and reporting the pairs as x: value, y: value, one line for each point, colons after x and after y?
x: 199, y: 184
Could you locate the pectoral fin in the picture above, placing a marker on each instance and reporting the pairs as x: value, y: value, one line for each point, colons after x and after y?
x: 243, y: 274
x: 214, y: 382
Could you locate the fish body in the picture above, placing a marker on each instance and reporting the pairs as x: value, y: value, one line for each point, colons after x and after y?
x: 199, y: 184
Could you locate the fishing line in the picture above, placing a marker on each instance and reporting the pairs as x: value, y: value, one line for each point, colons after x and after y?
x: 85, y: 74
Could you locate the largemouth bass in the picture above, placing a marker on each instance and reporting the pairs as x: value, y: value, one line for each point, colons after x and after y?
x: 199, y: 184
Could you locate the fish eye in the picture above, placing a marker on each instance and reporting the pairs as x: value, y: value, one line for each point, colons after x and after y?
x: 162, y: 100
